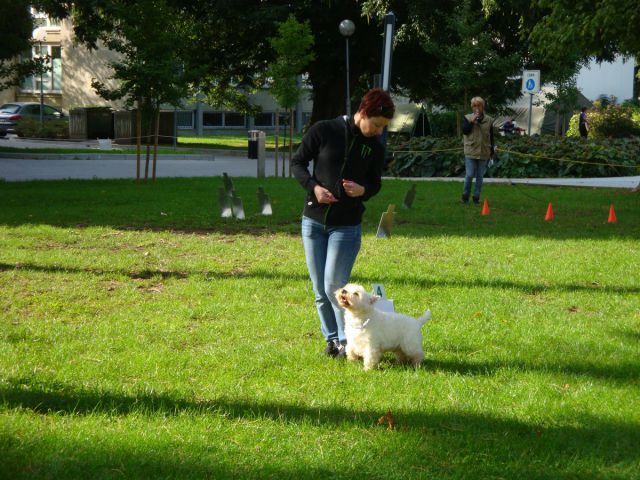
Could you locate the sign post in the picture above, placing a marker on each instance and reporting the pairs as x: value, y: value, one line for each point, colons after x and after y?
x: 530, y: 85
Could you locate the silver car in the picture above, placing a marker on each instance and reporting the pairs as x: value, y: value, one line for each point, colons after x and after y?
x: 12, y: 113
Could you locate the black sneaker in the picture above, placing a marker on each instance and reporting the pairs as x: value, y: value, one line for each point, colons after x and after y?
x: 341, y: 351
x: 464, y: 199
x: 332, y: 348
x: 476, y: 200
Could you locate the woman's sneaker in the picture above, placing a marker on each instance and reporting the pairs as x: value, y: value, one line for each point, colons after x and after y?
x: 332, y: 348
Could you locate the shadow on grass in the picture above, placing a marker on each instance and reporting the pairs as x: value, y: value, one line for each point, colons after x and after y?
x: 529, y: 288
x: 190, y: 205
x: 615, y: 373
x: 454, y: 444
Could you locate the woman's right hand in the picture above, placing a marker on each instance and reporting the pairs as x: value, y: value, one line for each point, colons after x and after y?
x: 323, y: 195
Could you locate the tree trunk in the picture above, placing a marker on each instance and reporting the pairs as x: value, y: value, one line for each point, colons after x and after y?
x: 328, y: 100
x: 148, y: 136
x: 155, y: 141
x: 290, y: 139
x: 138, y: 138
x: 284, y: 149
x: 277, y: 132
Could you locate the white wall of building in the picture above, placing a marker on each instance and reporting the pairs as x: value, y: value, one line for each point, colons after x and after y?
x: 607, y: 78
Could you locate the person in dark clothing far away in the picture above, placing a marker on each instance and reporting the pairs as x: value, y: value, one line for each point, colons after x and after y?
x: 583, y: 123
x: 347, y: 171
x: 477, y: 135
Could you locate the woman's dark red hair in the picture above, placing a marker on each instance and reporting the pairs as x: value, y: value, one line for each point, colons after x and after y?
x: 377, y: 103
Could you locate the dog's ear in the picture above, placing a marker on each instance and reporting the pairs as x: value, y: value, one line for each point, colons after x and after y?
x: 374, y: 299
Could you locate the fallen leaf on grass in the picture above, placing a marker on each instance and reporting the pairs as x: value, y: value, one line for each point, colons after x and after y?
x: 388, y: 419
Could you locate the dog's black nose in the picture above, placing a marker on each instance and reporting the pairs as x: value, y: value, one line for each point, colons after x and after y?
x: 344, y: 291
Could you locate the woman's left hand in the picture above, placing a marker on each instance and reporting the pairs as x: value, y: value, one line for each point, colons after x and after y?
x: 352, y: 189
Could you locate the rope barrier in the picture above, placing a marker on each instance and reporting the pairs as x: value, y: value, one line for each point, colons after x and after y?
x: 535, y: 156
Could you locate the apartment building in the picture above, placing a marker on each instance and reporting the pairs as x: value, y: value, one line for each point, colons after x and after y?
x: 73, y: 67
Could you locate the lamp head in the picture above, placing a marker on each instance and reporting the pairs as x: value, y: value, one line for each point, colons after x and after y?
x: 347, y: 28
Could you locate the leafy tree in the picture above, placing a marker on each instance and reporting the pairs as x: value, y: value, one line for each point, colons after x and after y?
x: 445, y: 52
x: 601, y: 28
x: 16, y: 25
x: 292, y: 47
x: 149, y: 36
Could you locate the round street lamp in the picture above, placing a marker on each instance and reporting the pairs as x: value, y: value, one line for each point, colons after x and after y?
x: 347, y: 28
x: 40, y: 35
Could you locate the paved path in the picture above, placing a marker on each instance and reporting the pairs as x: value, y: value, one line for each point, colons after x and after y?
x: 206, y: 165
x: 22, y: 169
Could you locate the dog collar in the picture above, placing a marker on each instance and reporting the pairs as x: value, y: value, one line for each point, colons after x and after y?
x: 366, y: 322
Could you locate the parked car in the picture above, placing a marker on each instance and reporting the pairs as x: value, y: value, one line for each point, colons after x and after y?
x: 12, y: 113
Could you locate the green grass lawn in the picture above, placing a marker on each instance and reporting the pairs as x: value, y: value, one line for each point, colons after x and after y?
x: 142, y: 336
x: 235, y: 141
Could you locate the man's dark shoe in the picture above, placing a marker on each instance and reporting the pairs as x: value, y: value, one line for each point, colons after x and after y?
x: 476, y: 200
x: 465, y: 199
x: 341, y: 351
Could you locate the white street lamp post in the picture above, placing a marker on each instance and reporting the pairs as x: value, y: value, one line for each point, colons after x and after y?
x: 40, y: 35
x: 347, y: 28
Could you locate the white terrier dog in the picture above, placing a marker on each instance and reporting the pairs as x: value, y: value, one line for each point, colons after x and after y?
x: 371, y: 332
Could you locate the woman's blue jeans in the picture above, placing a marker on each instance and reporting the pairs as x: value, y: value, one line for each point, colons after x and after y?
x: 473, y: 169
x: 330, y: 253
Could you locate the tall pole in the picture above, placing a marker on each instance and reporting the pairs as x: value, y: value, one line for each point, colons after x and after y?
x: 348, y: 99
x: 530, y: 110
x: 389, y: 26
x: 385, y: 71
x: 347, y: 28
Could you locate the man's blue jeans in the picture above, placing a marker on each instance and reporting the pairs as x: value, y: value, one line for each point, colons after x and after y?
x: 330, y: 253
x: 473, y: 169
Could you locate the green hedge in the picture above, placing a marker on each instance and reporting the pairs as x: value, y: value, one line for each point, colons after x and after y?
x: 50, y: 129
x: 521, y: 157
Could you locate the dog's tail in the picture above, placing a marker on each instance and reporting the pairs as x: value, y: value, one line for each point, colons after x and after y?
x: 425, y: 318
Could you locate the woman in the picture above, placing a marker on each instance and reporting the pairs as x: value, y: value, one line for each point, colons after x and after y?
x: 583, y: 123
x: 347, y: 170
x: 477, y: 134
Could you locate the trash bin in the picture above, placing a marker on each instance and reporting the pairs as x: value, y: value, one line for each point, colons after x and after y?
x: 252, y: 150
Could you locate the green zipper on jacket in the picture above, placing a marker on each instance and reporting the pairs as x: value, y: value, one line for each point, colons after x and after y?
x: 344, y: 164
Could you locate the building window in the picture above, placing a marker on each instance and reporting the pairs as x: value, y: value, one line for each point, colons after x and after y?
x: 263, y: 120
x: 185, y: 119
x: 41, y: 19
x: 232, y: 119
x: 212, y: 119
x: 51, y: 79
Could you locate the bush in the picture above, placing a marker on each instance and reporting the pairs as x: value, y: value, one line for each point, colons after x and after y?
x: 612, y: 121
x: 520, y: 157
x: 427, y: 157
x: 30, y: 128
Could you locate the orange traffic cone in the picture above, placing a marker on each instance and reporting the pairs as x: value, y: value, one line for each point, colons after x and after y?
x: 549, y: 215
x: 485, y: 208
x: 612, y: 215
